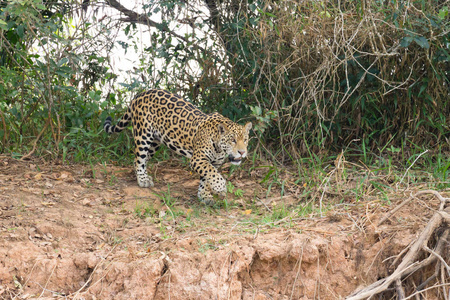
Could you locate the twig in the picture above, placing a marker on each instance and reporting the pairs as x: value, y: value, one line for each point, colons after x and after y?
x: 299, y: 261
x: 428, y: 280
x: 31, y: 272
x: 93, y: 272
x: 356, y: 224
x: 133, y: 17
x: 45, y: 286
x: 435, y: 193
x: 443, y: 280
x: 36, y: 141
x: 263, y: 202
x: 430, y: 288
x: 324, y: 189
x: 438, y: 256
x: 406, y: 172
x: 392, y: 212
x: 400, y: 255
x: 399, y: 288
x: 269, y: 200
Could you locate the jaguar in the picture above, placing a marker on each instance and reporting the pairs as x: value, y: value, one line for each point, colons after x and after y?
x: 209, y: 140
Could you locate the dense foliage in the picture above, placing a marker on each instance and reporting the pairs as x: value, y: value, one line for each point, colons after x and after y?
x: 335, y: 75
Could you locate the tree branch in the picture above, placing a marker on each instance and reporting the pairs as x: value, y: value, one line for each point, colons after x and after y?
x: 134, y: 17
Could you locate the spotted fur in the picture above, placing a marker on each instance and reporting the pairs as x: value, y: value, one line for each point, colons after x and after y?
x: 158, y: 116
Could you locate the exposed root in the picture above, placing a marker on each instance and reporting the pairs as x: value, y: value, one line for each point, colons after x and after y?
x: 437, y: 227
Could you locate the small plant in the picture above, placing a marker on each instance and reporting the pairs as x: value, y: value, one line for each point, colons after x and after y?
x: 304, y: 210
x: 116, y: 240
x: 104, y: 169
x: 144, y: 210
x: 361, y: 188
x: 112, y: 179
x: 166, y: 197
x: 279, y: 212
x: 92, y: 169
x: 203, y: 247
x: 112, y: 237
x: 232, y: 190
x: 393, y: 149
x: 163, y: 230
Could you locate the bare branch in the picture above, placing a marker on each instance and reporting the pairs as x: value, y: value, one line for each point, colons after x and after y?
x: 134, y: 17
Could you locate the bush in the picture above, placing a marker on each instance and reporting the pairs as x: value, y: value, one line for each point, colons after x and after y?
x: 373, y: 72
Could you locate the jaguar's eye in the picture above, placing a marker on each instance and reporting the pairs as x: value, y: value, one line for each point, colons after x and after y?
x: 233, y: 140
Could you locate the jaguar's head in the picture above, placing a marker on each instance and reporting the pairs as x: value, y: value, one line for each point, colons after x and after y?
x: 234, y: 141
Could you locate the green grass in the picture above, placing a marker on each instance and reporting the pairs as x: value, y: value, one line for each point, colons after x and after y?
x: 145, y: 210
x: 166, y: 197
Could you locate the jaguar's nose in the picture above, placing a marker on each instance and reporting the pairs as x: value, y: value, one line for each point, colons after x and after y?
x: 241, y: 152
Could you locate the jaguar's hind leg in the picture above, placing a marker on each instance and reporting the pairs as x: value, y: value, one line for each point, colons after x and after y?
x: 145, y: 149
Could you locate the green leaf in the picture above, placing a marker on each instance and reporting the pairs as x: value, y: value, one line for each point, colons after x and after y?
x: 422, y: 88
x: 422, y: 42
x: 40, y: 6
x: 63, y: 74
x: 253, y: 21
x: 406, y: 41
x: 256, y: 110
x: 266, y: 13
x: 443, y: 12
x: 62, y: 61
x: 20, y: 30
x: 3, y: 25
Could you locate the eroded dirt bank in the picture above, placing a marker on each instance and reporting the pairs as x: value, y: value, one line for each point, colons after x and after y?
x: 90, y: 233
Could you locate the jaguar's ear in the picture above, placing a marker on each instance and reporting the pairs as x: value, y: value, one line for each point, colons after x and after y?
x: 222, y: 128
x: 248, y: 126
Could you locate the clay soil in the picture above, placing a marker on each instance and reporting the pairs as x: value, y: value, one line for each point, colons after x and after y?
x: 89, y: 232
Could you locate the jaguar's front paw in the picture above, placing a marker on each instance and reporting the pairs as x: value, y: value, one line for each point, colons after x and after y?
x: 208, y: 201
x: 205, y: 196
x: 145, y: 182
x: 222, y: 193
x: 218, y: 186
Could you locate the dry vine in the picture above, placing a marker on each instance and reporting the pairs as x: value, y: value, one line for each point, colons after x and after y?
x: 438, y: 227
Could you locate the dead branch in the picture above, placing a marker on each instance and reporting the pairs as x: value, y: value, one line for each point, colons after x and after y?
x: 409, y: 263
x: 37, y: 140
x: 392, y: 212
x: 399, y: 288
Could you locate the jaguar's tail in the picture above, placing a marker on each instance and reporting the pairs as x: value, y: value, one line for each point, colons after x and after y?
x: 123, y: 123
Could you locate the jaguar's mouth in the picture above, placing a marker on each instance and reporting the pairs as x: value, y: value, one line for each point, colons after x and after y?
x: 235, y: 160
